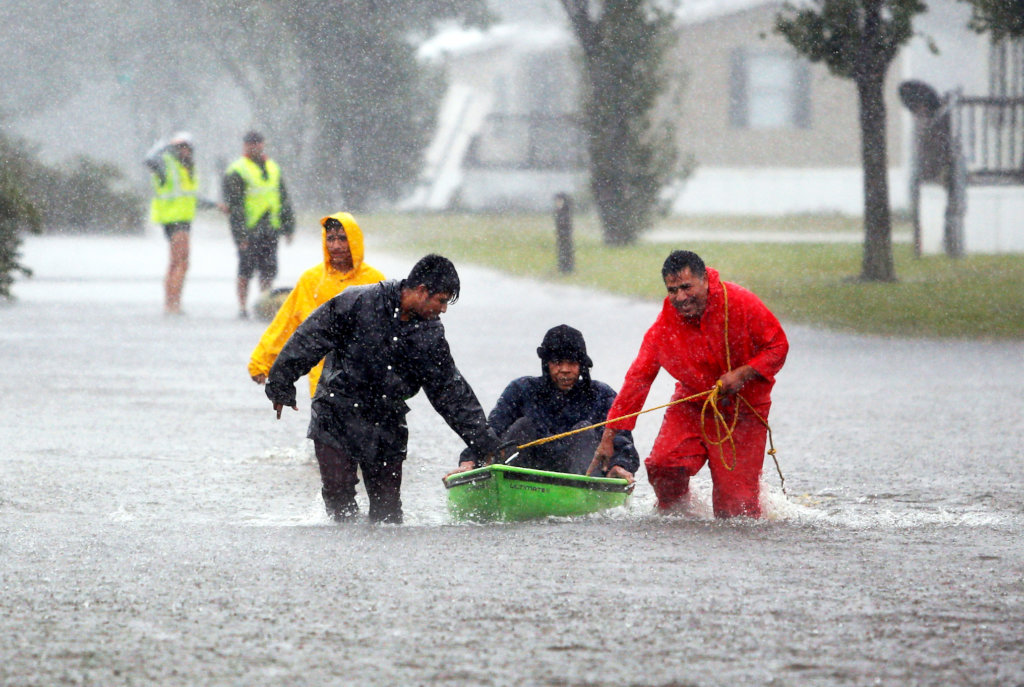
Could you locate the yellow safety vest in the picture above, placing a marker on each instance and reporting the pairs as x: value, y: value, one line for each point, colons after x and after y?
x: 262, y: 194
x: 175, y: 199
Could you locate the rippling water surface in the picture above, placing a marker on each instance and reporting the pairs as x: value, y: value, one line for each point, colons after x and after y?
x: 157, y: 525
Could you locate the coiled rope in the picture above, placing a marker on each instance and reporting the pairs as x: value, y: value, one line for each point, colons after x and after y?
x: 723, y: 428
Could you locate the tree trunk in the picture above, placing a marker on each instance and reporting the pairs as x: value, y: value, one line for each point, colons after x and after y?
x: 607, y: 147
x: 877, y: 262
x: 632, y: 155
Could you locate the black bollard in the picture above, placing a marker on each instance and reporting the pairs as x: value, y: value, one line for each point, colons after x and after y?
x: 563, y: 233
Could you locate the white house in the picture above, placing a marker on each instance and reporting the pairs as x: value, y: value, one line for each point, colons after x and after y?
x: 770, y: 133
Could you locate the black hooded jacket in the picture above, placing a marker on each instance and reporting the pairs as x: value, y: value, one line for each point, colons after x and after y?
x: 552, y: 411
x: 374, y: 363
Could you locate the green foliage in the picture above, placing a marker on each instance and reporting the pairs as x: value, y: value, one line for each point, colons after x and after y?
x: 375, y: 103
x: 84, y: 195
x: 342, y: 74
x: 17, y: 213
x: 1001, y: 18
x: 335, y: 86
x: 857, y: 40
x: 631, y: 156
x: 843, y: 34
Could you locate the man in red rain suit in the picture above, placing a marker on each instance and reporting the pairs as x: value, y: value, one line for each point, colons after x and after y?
x: 689, y: 340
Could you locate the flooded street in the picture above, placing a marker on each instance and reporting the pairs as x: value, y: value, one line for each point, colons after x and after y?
x: 159, y: 526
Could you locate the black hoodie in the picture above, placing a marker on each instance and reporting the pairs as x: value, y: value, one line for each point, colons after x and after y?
x: 374, y: 363
x: 553, y: 411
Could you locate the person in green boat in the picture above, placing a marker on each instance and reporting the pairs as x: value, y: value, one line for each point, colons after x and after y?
x: 563, y: 398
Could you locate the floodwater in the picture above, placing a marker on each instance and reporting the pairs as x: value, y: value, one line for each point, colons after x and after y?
x: 159, y: 526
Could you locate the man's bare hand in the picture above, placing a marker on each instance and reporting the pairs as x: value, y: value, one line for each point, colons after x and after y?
x: 733, y: 380
x: 464, y: 466
x: 280, y: 406
x: 621, y: 473
x: 603, y: 454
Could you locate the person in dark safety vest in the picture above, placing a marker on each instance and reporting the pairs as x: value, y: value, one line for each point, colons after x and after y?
x: 259, y: 213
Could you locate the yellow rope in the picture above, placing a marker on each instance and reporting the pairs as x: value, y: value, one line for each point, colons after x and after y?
x: 555, y: 437
x: 720, y: 422
x: 724, y: 428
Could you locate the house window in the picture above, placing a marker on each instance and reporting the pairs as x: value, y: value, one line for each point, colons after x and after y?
x: 769, y: 89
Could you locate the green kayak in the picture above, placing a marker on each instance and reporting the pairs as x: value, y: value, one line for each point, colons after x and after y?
x: 503, y: 492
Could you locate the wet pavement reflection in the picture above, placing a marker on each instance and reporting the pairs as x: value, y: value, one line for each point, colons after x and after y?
x: 157, y: 525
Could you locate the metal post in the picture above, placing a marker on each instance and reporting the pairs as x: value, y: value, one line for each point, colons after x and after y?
x: 563, y: 233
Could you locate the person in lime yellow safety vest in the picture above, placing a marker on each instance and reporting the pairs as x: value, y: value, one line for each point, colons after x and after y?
x: 175, y: 199
x: 259, y: 212
x: 342, y: 266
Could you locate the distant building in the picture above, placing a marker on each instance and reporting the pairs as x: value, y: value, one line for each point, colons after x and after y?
x: 769, y: 132
x: 508, y: 135
x: 967, y: 173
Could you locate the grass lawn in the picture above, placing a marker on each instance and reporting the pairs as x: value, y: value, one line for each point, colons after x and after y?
x: 813, y: 283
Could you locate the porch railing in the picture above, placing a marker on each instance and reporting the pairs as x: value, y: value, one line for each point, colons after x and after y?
x: 990, y: 133
x: 529, y: 142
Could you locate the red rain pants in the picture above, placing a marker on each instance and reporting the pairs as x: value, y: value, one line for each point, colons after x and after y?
x: 680, y: 451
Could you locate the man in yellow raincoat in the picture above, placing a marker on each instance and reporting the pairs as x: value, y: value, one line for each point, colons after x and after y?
x: 342, y: 267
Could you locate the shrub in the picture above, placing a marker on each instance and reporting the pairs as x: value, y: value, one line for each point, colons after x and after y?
x: 86, y: 196
x: 17, y: 213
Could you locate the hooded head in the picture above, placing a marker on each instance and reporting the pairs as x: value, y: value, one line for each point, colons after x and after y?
x: 352, y: 232
x: 565, y: 343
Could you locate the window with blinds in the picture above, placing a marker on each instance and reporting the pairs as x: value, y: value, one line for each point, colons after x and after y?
x: 768, y: 89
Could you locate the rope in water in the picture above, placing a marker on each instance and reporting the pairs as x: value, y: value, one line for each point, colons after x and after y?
x: 724, y: 429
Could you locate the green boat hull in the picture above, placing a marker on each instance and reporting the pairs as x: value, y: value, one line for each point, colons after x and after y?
x: 506, y: 493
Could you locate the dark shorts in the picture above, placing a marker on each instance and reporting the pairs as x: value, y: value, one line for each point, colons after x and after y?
x: 174, y: 227
x: 260, y: 255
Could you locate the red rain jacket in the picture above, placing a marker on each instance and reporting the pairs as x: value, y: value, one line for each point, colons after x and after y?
x: 694, y: 352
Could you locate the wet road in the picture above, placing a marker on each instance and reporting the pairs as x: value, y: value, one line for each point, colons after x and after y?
x: 157, y: 525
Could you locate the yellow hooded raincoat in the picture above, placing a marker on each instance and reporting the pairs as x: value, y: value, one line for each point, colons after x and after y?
x: 316, y: 286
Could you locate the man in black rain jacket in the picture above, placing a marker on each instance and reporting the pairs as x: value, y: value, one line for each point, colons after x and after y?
x: 383, y: 343
x: 561, y: 399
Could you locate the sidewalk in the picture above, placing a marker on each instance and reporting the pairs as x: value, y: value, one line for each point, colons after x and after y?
x: 762, y: 236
